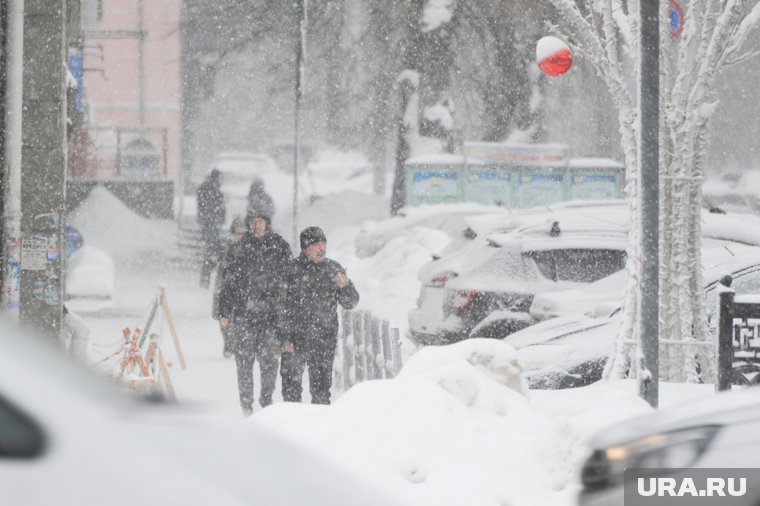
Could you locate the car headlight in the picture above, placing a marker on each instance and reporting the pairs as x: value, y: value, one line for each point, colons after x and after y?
x: 676, y: 449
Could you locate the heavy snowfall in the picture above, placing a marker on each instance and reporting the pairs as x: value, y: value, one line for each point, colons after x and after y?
x: 473, y: 165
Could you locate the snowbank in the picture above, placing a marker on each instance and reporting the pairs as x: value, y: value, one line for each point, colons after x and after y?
x: 457, y: 428
x: 107, y: 223
x: 90, y: 272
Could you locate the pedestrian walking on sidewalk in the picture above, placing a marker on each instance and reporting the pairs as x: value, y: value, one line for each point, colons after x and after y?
x: 316, y: 286
x: 231, y: 250
x: 252, y: 294
x: 211, y: 214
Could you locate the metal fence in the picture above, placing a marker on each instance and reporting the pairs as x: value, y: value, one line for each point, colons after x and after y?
x: 368, y: 348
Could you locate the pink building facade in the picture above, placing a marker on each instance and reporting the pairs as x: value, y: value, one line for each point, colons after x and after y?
x: 131, y: 92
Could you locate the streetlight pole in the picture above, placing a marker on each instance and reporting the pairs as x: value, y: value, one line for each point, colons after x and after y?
x: 649, y: 191
x: 300, y: 15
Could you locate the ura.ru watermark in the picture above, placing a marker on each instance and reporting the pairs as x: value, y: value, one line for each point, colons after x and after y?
x: 692, y: 487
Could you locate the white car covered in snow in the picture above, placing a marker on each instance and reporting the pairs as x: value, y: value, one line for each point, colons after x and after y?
x: 68, y: 438
x: 486, y: 288
x: 572, y: 350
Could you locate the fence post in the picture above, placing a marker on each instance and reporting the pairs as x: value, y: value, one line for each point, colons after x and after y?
x: 725, y: 340
x: 370, y: 330
x: 377, y: 349
x: 359, y: 353
x: 348, y: 349
x: 396, y: 349
x: 388, y: 368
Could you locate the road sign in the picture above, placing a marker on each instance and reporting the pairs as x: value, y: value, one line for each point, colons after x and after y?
x: 676, y: 15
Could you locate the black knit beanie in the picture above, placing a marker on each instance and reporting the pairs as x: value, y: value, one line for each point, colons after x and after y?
x: 311, y: 235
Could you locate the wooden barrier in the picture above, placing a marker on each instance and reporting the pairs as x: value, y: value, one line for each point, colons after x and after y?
x: 368, y: 348
x: 148, y: 369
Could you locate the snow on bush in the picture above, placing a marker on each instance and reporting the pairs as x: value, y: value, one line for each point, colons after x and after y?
x: 90, y: 272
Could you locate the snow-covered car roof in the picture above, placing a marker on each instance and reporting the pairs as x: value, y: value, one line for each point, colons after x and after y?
x: 449, y: 218
x: 718, y: 258
x: 604, y: 223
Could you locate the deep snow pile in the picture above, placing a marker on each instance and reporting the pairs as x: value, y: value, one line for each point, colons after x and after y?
x: 459, y: 427
x: 107, y: 223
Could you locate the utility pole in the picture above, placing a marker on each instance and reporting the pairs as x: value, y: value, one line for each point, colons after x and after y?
x: 11, y: 154
x: 649, y: 192
x: 43, y: 175
x: 300, y: 40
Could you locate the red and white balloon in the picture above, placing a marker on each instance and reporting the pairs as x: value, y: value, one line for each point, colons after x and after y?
x: 553, y: 56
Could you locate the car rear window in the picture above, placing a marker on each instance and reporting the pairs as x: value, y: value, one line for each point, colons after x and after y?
x: 578, y: 265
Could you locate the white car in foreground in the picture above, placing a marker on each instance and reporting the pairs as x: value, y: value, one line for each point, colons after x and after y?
x: 69, y: 438
x: 716, y: 432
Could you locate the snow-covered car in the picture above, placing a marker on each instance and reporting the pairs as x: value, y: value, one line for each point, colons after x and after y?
x: 721, y: 431
x: 452, y: 305
x: 570, y: 351
x: 70, y: 438
x: 486, y: 288
x: 449, y: 219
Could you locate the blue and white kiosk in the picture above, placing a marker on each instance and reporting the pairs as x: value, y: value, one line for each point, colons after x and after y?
x: 512, y: 175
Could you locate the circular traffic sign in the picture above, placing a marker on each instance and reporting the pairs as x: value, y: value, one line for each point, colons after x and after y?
x: 676, y: 16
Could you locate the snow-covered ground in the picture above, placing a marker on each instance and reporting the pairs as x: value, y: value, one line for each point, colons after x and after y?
x: 456, y: 427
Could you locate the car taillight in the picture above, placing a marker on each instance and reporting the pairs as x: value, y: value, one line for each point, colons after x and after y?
x: 440, y: 280
x: 462, y: 300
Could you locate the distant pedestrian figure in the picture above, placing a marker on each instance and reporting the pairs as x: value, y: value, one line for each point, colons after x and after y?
x: 231, y: 250
x: 317, y: 285
x: 211, y: 215
x: 252, y: 294
x: 259, y: 201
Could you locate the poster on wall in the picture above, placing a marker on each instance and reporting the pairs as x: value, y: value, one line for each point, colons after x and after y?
x: 594, y: 186
x: 433, y: 186
x: 539, y: 188
x: 489, y: 187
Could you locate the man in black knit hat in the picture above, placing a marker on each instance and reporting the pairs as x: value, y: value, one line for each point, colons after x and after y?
x: 250, y: 302
x: 317, y: 285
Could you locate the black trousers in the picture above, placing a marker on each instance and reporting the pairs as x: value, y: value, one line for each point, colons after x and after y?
x: 316, y: 354
x: 254, y: 341
x: 212, y: 244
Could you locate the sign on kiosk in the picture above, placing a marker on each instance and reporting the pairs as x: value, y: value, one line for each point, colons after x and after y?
x: 512, y: 175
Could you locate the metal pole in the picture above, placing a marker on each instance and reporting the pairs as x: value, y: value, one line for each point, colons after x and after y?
x: 649, y: 191
x: 12, y: 155
x: 300, y: 13
x: 141, y: 61
x: 43, y: 175
x: 725, y: 340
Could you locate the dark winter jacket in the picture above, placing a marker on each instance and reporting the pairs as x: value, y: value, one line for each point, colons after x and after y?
x: 211, y: 208
x: 313, y: 299
x: 254, y: 284
x: 231, y: 251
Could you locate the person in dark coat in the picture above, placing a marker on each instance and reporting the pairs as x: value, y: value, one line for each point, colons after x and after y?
x: 231, y: 250
x: 211, y: 215
x: 259, y: 200
x: 317, y: 285
x: 251, y: 297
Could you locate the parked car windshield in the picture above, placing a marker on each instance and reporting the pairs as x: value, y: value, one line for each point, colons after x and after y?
x: 578, y: 265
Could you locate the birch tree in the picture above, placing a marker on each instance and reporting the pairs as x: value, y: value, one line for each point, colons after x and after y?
x: 606, y: 32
